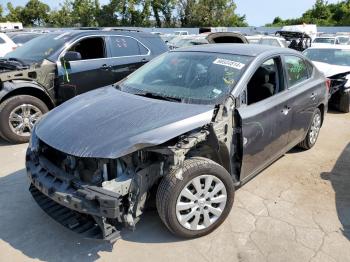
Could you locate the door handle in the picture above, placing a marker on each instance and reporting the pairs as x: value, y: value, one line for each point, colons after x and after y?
x: 144, y: 60
x: 105, y: 67
x: 285, y: 110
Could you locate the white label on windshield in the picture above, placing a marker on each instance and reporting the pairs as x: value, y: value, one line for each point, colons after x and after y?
x: 229, y: 63
x: 217, y: 91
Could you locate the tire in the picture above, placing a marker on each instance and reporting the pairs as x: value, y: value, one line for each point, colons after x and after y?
x: 344, y: 102
x: 32, y: 109
x: 313, y: 132
x: 170, y: 188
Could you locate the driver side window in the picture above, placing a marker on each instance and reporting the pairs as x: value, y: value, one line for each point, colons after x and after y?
x: 265, y: 82
x: 90, y: 48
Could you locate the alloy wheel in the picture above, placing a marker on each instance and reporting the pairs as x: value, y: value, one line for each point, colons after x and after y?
x: 23, y: 118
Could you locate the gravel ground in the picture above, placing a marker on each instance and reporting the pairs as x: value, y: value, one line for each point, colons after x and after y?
x: 298, y: 209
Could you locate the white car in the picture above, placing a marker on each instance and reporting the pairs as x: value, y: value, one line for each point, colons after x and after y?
x: 334, y: 62
x: 331, y: 40
x: 6, y: 44
x: 267, y: 40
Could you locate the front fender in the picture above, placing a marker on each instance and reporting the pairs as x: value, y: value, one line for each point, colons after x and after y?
x: 8, y: 87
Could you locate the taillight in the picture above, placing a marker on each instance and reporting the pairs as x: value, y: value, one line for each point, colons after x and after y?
x: 328, y: 84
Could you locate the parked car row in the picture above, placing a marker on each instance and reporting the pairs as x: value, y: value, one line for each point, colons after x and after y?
x: 185, y: 129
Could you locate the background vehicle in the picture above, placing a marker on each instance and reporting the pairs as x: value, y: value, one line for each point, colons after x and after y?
x: 20, y: 38
x: 334, y: 62
x: 267, y: 40
x: 299, y: 37
x: 181, y: 33
x: 192, y: 124
x: 6, y: 44
x: 207, y: 38
x: 55, y: 67
x: 325, y: 40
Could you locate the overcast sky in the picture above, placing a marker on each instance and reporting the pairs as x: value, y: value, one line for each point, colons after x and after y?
x: 258, y: 12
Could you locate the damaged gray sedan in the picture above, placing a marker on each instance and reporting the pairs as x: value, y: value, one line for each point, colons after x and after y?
x: 186, y: 130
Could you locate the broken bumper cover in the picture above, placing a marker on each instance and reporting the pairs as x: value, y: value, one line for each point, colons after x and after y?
x: 59, y: 195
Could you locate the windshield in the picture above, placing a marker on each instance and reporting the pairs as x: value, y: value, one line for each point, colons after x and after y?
x: 324, y: 40
x: 40, y: 48
x: 192, y: 77
x: 330, y: 56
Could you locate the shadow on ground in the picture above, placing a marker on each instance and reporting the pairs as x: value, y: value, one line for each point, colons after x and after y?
x: 340, y: 179
x: 26, y: 228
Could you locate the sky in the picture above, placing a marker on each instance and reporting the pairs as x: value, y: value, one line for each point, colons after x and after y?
x: 258, y: 12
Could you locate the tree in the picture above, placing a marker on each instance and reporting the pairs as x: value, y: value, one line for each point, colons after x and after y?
x: 35, y: 13
x: 84, y: 12
x: 63, y: 16
x: 14, y: 13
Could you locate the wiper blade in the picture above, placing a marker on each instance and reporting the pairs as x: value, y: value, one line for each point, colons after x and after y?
x: 161, y: 97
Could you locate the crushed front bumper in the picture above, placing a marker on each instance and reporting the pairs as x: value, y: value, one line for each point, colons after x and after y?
x: 88, y: 210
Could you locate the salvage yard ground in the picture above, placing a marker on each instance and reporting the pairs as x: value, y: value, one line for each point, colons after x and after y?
x: 298, y: 209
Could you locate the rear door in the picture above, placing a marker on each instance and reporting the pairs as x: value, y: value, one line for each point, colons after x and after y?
x: 126, y: 55
x: 265, y: 119
x: 305, y: 92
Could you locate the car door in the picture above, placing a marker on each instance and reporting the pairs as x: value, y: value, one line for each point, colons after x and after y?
x: 265, y: 122
x: 305, y: 92
x: 89, y: 73
x: 126, y: 55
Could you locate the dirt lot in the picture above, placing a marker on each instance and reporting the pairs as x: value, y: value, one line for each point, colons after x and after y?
x: 296, y: 210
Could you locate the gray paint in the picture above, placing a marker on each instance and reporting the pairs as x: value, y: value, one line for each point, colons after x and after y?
x: 107, y: 123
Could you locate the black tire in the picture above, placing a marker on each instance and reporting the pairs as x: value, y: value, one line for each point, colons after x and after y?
x: 170, y: 188
x: 344, y: 102
x: 7, y: 106
x: 306, y: 143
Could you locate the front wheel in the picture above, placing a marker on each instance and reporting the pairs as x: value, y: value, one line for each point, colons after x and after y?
x: 18, y: 115
x: 196, y: 202
x: 313, y: 132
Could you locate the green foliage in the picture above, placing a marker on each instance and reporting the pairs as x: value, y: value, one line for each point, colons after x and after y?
x: 322, y: 13
x: 160, y: 13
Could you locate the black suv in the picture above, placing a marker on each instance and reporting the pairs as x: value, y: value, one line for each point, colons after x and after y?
x: 55, y: 67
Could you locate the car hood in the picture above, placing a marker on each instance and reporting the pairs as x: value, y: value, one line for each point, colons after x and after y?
x: 330, y: 70
x: 108, y: 123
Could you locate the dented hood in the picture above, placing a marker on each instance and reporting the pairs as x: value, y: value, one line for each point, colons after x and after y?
x: 108, y: 123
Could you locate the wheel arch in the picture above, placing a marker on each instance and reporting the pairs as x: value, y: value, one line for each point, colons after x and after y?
x: 221, y: 156
x: 322, y: 109
x: 28, y: 89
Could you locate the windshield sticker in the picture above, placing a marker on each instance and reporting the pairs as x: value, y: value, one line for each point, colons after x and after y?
x: 229, y: 63
x: 217, y: 91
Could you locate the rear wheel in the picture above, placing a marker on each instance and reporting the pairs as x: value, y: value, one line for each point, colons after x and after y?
x: 314, y: 130
x: 199, y: 202
x: 18, y: 115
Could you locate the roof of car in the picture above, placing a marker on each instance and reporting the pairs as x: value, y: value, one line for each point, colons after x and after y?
x: 234, y: 49
x: 112, y: 31
x: 331, y: 46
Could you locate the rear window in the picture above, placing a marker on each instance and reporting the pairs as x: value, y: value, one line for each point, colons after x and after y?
x: 297, y: 70
x: 126, y: 46
x: 324, y: 40
x: 2, y: 41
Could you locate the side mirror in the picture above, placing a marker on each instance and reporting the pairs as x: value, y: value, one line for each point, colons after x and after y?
x: 72, y: 56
